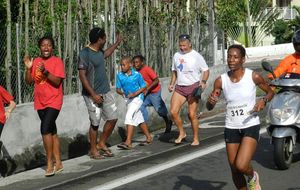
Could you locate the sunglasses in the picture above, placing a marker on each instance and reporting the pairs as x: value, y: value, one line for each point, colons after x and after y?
x: 184, y: 36
x: 99, y: 31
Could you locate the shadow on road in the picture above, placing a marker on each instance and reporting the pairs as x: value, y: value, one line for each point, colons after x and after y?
x: 198, y: 184
x: 7, y: 164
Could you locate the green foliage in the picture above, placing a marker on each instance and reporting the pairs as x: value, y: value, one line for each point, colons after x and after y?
x: 167, y: 19
x: 264, y: 21
x: 283, y: 30
x: 228, y: 14
x: 232, y: 17
x: 295, y: 23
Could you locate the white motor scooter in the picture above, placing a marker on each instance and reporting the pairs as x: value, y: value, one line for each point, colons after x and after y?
x: 283, y: 116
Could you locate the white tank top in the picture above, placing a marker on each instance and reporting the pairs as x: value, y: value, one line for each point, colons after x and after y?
x: 240, y: 99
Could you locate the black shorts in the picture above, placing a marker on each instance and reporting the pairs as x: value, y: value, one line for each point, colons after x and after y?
x: 48, y: 117
x: 236, y: 135
x: 1, y: 128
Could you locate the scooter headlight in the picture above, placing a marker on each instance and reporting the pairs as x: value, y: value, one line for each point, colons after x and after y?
x: 283, y: 114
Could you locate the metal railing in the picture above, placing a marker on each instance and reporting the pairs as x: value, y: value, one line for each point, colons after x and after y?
x: 286, y: 13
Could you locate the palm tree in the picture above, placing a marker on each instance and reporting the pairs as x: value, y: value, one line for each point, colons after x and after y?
x: 261, y: 20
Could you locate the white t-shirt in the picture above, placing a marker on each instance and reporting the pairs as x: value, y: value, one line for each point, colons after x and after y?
x: 188, y: 67
x: 240, y: 99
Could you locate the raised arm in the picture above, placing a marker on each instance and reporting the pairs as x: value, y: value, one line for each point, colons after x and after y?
x: 112, y: 48
x: 28, y: 66
x: 213, y: 97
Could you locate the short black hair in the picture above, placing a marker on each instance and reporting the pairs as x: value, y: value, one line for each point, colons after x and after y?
x: 140, y: 57
x: 96, y: 33
x: 126, y: 58
x: 239, y: 47
x: 46, y: 38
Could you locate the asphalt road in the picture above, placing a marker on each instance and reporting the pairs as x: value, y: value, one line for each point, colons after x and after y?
x: 207, y: 171
x: 211, y: 172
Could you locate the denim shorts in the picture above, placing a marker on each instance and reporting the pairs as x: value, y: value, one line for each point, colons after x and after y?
x: 236, y: 135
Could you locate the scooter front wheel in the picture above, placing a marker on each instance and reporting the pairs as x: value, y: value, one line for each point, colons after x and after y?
x: 283, y: 152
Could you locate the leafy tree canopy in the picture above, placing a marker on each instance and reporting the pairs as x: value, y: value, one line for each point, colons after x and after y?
x: 228, y: 13
x: 284, y: 29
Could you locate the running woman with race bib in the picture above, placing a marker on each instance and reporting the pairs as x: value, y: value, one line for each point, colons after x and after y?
x: 242, y: 123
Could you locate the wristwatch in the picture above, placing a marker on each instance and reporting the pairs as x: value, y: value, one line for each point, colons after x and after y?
x: 46, y: 72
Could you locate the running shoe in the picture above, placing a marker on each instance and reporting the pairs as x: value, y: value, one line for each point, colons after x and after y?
x: 253, y: 184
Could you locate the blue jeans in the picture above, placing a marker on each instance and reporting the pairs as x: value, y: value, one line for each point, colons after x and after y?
x: 155, y: 100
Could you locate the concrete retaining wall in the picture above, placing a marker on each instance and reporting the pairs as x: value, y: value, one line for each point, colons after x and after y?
x: 269, y: 51
x: 256, y: 53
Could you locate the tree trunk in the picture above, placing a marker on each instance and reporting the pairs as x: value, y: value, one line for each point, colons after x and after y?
x: 20, y: 17
x: 91, y: 14
x: 112, y: 39
x: 52, y: 18
x: 98, y: 13
x: 8, y: 46
x: 79, y: 3
x: 106, y: 16
x: 147, y: 31
x: 70, y: 49
x: 26, y: 26
x: 65, y: 46
x: 59, y: 39
x: 141, y: 27
x: 35, y: 16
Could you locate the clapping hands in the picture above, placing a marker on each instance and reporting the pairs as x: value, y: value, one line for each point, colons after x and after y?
x: 28, y: 61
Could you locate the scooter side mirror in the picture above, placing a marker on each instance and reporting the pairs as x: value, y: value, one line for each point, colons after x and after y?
x: 267, y: 67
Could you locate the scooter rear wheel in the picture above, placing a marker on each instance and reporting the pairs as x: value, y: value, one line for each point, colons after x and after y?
x: 282, y: 155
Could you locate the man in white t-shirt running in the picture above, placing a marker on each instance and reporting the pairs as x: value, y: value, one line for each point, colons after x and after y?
x: 189, y: 72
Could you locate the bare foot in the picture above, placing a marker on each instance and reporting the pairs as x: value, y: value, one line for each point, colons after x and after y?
x: 195, y: 143
x: 180, y: 138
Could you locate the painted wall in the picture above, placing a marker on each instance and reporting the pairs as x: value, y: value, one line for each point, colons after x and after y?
x: 295, y: 2
x: 270, y: 52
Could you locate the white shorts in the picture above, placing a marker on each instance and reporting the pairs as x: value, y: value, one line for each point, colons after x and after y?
x: 134, y: 115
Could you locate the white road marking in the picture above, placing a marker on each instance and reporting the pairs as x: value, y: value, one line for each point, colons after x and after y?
x: 152, y: 170
x: 160, y: 167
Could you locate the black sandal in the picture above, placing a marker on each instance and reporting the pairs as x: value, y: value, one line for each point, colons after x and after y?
x: 124, y: 146
x: 145, y: 143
